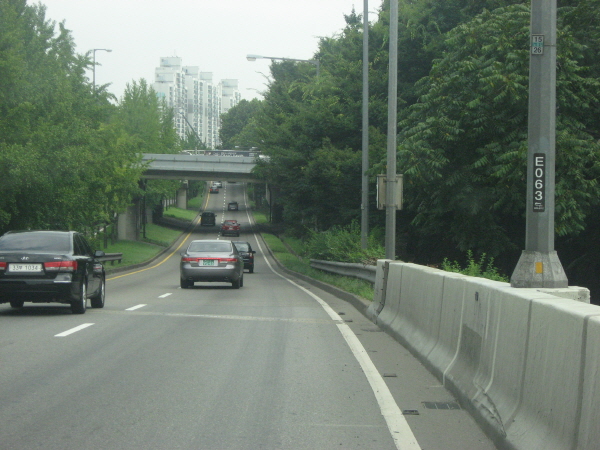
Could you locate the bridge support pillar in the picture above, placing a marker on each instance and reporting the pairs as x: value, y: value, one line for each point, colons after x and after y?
x: 182, y: 198
x: 129, y: 225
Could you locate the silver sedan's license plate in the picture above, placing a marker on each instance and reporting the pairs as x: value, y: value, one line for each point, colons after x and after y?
x: 209, y: 262
x: 25, y: 267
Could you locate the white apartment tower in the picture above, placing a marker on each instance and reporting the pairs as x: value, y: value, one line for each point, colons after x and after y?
x: 169, y: 85
x: 196, y: 101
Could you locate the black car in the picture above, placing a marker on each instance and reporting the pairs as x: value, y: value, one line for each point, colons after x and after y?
x: 50, y: 266
x: 247, y: 254
x: 232, y: 206
x: 208, y: 219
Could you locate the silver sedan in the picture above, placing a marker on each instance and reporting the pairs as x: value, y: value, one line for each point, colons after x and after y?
x: 212, y: 261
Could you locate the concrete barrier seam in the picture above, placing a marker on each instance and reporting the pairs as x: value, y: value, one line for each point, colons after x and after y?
x: 451, y: 363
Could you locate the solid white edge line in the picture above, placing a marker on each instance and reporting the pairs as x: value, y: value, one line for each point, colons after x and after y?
x: 133, y: 308
x: 397, y: 425
x: 402, y: 435
x: 73, y: 330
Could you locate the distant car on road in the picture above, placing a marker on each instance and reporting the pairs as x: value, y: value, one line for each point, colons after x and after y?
x: 213, y: 261
x: 50, y: 266
x: 208, y: 219
x: 218, y: 184
x: 247, y: 254
x: 214, y: 190
x: 233, y: 206
x: 230, y: 227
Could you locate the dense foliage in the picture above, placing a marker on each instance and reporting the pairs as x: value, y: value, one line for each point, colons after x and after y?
x: 69, y: 157
x: 462, y: 97
x: 462, y: 142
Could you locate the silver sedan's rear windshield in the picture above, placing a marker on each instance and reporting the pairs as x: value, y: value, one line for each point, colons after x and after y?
x: 210, y: 247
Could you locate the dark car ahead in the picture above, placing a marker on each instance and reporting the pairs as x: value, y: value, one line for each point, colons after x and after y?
x: 50, y: 266
x: 208, y: 219
x: 211, y: 260
x: 246, y: 253
x: 232, y: 206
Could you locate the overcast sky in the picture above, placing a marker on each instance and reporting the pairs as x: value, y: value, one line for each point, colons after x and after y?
x: 215, y: 35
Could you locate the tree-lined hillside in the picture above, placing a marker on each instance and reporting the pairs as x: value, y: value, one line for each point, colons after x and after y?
x: 462, y: 134
x: 69, y: 157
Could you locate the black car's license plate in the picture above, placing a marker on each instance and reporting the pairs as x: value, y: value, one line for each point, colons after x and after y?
x: 24, y: 267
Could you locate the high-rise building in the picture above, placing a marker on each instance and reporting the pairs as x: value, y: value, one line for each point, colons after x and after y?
x: 196, y: 101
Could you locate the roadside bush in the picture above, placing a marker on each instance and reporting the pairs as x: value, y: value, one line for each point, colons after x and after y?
x: 343, y: 244
x: 475, y: 268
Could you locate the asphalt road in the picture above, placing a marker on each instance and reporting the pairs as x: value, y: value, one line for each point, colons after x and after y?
x: 277, y: 364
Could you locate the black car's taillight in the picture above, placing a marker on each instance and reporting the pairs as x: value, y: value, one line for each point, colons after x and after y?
x: 61, y: 266
x: 2, y: 266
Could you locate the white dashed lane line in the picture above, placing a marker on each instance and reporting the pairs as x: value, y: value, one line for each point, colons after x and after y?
x: 133, y: 308
x: 73, y: 330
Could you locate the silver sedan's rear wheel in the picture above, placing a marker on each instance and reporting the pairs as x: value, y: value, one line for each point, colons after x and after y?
x: 17, y: 303
x: 238, y: 283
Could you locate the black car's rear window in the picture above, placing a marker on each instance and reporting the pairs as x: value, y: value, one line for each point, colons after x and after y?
x: 37, y: 241
x: 241, y: 246
x: 210, y: 247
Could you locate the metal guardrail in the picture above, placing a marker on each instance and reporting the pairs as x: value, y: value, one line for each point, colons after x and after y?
x: 112, y: 257
x: 362, y: 271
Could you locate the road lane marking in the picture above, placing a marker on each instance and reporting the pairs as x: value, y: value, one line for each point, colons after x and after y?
x: 402, y: 435
x: 165, y: 295
x: 133, y: 308
x: 229, y: 317
x: 73, y: 330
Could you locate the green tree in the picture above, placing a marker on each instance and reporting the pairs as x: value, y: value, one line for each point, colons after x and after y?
x: 48, y: 117
x: 149, y: 124
x: 237, y: 125
x: 463, y: 145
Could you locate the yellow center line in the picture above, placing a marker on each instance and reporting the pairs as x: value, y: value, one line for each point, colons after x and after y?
x: 194, y: 223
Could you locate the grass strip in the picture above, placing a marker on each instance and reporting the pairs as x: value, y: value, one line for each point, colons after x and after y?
x: 355, y: 286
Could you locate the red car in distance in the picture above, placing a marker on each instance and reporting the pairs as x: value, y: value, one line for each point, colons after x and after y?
x: 230, y: 227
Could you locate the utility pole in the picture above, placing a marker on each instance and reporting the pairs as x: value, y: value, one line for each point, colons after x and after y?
x: 94, y: 50
x: 364, y: 227
x: 390, y: 191
x: 539, y: 265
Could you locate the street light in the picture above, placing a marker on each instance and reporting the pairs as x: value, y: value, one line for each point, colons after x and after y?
x: 316, y: 62
x: 94, y: 66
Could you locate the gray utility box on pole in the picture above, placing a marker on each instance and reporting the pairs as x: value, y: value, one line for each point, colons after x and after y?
x: 381, y: 191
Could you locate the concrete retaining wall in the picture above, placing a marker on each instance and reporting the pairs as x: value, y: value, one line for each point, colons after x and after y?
x: 526, y: 363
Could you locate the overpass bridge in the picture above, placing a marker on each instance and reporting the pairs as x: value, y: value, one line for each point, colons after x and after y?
x: 221, y: 166
x: 199, y: 167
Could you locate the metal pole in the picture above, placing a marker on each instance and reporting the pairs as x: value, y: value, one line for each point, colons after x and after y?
x: 364, y: 224
x: 390, y: 207
x: 94, y: 72
x: 94, y: 66
x: 539, y: 265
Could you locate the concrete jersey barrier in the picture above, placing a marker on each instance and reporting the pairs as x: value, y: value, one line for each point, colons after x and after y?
x: 526, y: 363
